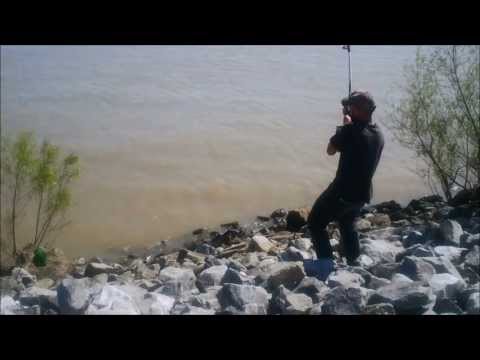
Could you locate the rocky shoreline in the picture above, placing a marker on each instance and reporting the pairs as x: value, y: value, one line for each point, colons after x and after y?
x: 420, y: 259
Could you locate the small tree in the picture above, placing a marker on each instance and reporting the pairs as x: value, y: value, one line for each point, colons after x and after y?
x: 439, y: 116
x: 38, y: 178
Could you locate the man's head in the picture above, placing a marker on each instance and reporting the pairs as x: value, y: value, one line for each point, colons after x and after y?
x: 361, y: 105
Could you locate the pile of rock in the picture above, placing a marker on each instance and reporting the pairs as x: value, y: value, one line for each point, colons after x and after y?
x: 421, y: 259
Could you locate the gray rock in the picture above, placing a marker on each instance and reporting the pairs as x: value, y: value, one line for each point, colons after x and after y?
x: 144, y: 271
x: 212, y: 276
x: 444, y: 211
x: 417, y: 250
x: 176, y: 281
x: 10, y: 287
x: 398, y: 278
x: 149, y: 285
x: 113, y: 300
x: 472, y: 259
x: 237, y: 277
x: 446, y: 306
x: 313, y: 288
x: 236, y: 265
x: 294, y: 254
x: 384, y: 270
x: 194, y: 310
x: 452, y: 253
x: 250, y: 260
x: 416, y: 268
x: 365, y: 261
x: 471, y: 240
x: 239, y: 296
x: 22, y: 276
x: 407, y: 298
x: 303, y: 244
x: 261, y: 243
x: 291, y: 303
x: 208, y: 300
x: 363, y: 225
x: 39, y: 296
x: 443, y: 265
x: 73, y: 295
x: 451, y: 232
x: 380, y: 251
x: 446, y: 286
x: 159, y: 304
x: 45, y: 283
x: 342, y: 301
x: 95, y: 268
x: 412, y: 238
x: 473, y: 304
x: 8, y: 306
x: 379, y: 309
x: 206, y: 249
x: 377, y: 282
x: 345, y: 278
x: 288, y: 274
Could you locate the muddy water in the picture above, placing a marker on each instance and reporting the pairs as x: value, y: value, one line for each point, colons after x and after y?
x: 176, y: 137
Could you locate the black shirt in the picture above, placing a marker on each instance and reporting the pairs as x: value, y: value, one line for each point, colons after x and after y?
x: 360, y: 147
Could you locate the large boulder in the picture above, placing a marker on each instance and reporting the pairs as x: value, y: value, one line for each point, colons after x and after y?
x: 212, y: 276
x: 73, y: 295
x: 176, y: 281
x: 234, y: 276
x: 380, y: 251
x: 345, y: 279
x: 446, y: 306
x: 446, y: 285
x: 416, y: 268
x: 208, y: 300
x: 452, y: 253
x: 159, y: 304
x: 9, y: 306
x: 312, y: 287
x: 287, y: 302
x: 378, y: 219
x: 443, y: 265
x: 244, y: 298
x: 39, y: 296
x: 113, y: 300
x: 407, y: 298
x: 288, y: 274
x: 451, y: 232
x: 384, y: 270
x: 344, y: 301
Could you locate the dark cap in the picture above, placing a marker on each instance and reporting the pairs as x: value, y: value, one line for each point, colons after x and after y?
x: 361, y: 98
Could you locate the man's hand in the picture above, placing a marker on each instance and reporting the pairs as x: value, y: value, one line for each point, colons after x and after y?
x: 347, y: 119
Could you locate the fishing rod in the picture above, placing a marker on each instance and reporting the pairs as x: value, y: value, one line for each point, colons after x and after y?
x: 346, y: 109
x: 347, y: 47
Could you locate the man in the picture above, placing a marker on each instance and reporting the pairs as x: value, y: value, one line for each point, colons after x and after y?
x: 360, y: 143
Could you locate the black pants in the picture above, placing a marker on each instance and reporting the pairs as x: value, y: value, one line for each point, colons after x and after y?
x: 330, y: 207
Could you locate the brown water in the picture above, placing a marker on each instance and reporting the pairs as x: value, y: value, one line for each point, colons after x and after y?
x: 176, y: 137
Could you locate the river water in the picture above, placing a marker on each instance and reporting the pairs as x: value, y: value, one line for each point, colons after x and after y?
x: 172, y: 138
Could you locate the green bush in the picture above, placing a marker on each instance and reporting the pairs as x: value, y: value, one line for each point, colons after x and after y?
x: 35, y: 178
x: 439, y: 116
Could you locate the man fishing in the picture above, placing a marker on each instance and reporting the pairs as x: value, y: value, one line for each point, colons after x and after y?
x: 360, y: 143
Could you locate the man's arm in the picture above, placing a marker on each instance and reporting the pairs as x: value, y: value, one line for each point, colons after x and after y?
x: 331, y: 149
x: 336, y: 142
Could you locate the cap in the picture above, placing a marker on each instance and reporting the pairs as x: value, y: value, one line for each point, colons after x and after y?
x: 361, y: 98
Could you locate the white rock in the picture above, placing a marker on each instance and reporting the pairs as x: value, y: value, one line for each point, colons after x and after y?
x: 113, y: 301
x: 160, y: 304
x: 453, y: 253
x: 212, y: 276
x: 446, y: 285
x: 261, y: 243
x: 8, y: 306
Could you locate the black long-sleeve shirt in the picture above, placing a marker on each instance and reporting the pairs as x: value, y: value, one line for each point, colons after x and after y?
x: 360, y: 147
